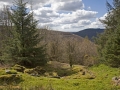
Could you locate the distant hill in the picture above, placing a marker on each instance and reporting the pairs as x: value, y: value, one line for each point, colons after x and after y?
x: 51, y: 35
x: 90, y: 33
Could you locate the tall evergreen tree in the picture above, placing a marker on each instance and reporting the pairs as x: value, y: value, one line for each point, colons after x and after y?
x: 109, y: 41
x: 24, y: 45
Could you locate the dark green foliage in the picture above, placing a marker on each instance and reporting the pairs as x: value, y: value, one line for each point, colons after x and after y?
x: 112, y: 49
x: 23, y: 47
x: 109, y: 41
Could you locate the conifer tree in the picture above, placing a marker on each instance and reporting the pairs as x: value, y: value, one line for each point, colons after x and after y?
x: 24, y: 45
x: 109, y: 41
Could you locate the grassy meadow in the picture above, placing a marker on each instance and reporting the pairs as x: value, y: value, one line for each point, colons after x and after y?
x: 59, y: 76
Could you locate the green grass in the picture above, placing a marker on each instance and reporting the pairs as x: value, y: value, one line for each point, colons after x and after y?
x: 95, y: 78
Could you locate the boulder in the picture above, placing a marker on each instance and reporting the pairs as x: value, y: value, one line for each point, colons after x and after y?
x: 116, y: 81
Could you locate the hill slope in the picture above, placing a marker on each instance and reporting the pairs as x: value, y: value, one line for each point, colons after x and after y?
x: 59, y: 43
x: 91, y: 32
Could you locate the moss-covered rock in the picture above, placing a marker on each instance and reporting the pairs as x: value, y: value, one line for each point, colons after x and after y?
x: 10, y: 78
x: 18, y: 68
x: 28, y: 71
x: 39, y: 70
x: 90, y: 77
x: 32, y: 72
x: 2, y: 72
x: 8, y: 71
x: 35, y: 71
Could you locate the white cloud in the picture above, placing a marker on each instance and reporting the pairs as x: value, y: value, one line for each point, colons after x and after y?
x: 45, y: 12
x: 64, y: 15
x: 71, y: 5
x: 74, y: 17
x: 67, y: 26
x: 81, y: 23
x: 84, y: 22
x: 2, y: 4
x: 97, y: 23
x: 83, y: 14
x: 103, y: 17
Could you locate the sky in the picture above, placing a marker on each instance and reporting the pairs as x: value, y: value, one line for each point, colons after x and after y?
x: 66, y: 15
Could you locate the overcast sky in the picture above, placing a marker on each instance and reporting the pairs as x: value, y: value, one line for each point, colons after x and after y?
x: 67, y: 15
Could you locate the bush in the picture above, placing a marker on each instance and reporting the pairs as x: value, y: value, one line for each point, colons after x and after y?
x: 89, y: 60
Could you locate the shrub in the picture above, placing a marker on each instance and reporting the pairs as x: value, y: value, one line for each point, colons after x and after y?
x: 89, y: 60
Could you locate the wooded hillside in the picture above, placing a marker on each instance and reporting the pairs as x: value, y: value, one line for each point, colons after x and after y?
x: 64, y: 46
